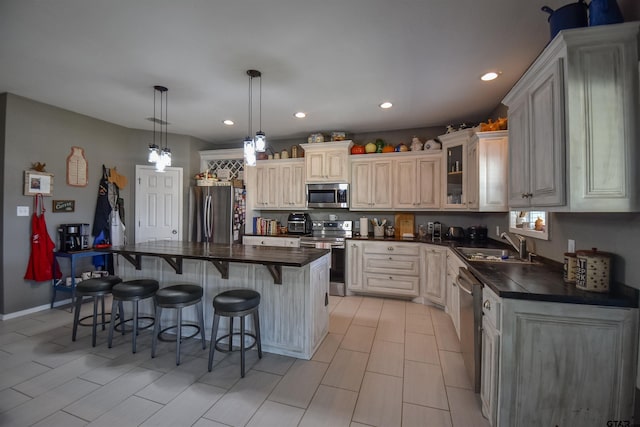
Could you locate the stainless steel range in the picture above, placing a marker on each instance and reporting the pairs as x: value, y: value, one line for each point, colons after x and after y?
x: 331, y: 235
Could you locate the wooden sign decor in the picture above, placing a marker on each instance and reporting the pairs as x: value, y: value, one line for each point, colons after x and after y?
x: 77, y: 171
x: 64, y: 206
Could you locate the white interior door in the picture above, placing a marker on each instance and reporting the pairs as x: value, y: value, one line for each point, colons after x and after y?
x: 159, y: 203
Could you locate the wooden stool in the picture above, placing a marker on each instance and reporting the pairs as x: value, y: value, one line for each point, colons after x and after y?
x: 178, y: 297
x: 235, y: 303
x: 95, y: 288
x: 134, y: 291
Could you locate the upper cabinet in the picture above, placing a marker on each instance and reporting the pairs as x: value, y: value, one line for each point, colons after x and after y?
x: 327, y: 162
x: 487, y: 158
x: 573, y: 125
x: 371, y: 184
x: 416, y: 182
x: 276, y: 184
x: 474, y: 175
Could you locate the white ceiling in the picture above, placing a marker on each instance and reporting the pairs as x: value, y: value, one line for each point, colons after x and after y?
x: 334, y: 59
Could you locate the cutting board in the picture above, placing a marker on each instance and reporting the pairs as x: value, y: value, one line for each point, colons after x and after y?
x: 405, y: 223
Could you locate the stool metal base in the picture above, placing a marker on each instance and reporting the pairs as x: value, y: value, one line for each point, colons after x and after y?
x: 227, y: 350
x: 157, y: 330
x: 182, y: 337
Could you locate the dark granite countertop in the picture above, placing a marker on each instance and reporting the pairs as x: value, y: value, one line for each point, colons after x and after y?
x: 268, y: 255
x: 542, y: 281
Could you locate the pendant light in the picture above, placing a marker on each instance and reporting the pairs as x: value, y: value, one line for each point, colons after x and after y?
x: 261, y: 138
x: 257, y: 144
x: 160, y: 155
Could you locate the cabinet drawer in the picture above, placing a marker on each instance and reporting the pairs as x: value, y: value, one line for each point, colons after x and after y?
x: 392, y: 248
x: 270, y: 241
x: 491, y: 308
x: 392, y: 284
x: 392, y: 264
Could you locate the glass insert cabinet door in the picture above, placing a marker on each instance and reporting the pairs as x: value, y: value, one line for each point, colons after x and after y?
x: 456, y: 166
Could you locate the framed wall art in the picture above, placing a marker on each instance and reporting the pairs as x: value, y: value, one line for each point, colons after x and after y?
x: 38, y: 183
x: 64, y: 205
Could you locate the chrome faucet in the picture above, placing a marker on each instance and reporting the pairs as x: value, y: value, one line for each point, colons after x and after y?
x: 521, y: 247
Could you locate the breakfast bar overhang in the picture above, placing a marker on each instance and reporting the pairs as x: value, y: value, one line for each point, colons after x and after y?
x: 293, y: 284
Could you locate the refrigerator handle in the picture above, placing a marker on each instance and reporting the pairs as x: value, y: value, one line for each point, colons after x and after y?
x: 207, y: 217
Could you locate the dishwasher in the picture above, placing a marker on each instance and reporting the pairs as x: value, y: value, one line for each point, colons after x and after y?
x: 471, y: 324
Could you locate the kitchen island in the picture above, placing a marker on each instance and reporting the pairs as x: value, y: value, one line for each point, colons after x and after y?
x: 293, y: 284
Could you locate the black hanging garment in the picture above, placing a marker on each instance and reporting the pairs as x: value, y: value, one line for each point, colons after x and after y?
x: 101, y: 226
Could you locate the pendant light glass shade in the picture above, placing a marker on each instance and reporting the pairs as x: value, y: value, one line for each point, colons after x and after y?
x: 154, y: 153
x: 261, y: 142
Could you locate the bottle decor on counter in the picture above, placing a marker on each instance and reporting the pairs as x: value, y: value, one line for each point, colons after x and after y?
x: 593, y: 270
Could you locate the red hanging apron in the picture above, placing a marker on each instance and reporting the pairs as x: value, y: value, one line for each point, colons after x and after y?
x: 41, y: 261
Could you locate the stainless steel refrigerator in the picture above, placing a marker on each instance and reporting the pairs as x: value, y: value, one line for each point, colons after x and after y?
x: 216, y: 213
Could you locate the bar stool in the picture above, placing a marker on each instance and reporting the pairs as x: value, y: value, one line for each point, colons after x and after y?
x: 178, y: 297
x: 95, y: 288
x: 235, y: 303
x: 134, y: 291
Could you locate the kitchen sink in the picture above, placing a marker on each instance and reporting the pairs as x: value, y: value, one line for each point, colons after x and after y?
x: 493, y: 255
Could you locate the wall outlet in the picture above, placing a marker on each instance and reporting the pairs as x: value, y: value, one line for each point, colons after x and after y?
x: 498, y: 230
x: 571, y: 245
x: 22, y: 211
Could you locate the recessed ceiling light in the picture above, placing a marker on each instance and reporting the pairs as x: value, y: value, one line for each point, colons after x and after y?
x: 300, y: 115
x: 386, y: 105
x: 492, y: 75
x: 228, y: 122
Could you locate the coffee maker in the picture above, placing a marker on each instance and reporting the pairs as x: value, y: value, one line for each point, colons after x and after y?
x: 73, y: 237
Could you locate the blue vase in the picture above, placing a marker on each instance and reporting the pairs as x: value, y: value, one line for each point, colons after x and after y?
x: 603, y: 12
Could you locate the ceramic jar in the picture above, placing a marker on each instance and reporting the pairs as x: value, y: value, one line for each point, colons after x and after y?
x: 593, y: 270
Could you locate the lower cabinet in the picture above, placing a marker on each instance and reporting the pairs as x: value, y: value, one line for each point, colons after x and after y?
x: 289, y: 242
x: 384, y: 268
x: 453, y: 293
x: 435, y: 274
x: 547, y: 363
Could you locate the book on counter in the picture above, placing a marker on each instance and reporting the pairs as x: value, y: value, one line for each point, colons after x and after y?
x: 265, y: 226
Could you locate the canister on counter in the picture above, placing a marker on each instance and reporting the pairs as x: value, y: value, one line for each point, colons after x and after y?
x: 570, y: 265
x: 294, y: 151
x: 593, y: 270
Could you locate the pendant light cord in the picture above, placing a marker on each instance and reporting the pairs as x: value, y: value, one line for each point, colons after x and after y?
x: 260, y: 106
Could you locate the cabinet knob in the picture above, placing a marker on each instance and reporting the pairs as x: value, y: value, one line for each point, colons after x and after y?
x: 390, y: 259
x: 529, y: 194
x: 524, y: 195
x: 390, y: 248
x: 486, y: 304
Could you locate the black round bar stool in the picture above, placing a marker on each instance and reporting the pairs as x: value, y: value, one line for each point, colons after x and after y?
x: 235, y: 303
x: 134, y: 291
x: 95, y: 288
x: 178, y: 297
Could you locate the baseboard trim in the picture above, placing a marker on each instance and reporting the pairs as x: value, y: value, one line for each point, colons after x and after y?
x: 33, y: 310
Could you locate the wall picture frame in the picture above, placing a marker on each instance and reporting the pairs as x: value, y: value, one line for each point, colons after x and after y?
x: 38, y: 183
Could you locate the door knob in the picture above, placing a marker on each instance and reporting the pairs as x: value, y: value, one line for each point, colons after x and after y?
x: 174, y: 231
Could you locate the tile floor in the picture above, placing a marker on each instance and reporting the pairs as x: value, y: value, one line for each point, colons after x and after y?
x: 384, y: 363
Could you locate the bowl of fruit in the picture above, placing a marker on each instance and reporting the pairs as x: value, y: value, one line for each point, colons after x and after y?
x: 205, y: 179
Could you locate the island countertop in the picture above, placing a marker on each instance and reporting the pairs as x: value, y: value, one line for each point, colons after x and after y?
x: 290, y: 257
x: 174, y: 252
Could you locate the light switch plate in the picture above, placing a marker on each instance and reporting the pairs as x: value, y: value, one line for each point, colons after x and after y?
x: 23, y: 211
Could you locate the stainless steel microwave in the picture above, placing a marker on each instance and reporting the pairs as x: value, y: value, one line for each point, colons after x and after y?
x: 328, y: 195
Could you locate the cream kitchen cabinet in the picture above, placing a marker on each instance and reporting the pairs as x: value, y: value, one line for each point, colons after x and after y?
x: 453, y: 295
x: 277, y: 184
x: 289, y: 242
x: 292, y: 188
x: 416, y: 182
x: 327, y: 162
x: 353, y: 255
x: 579, y: 99
x: 435, y: 274
x: 490, y: 354
x: 487, y: 158
x: 388, y: 268
x: 371, y: 184
x: 454, y: 166
x: 536, y: 354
